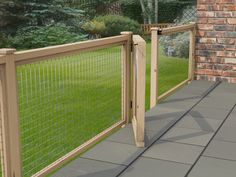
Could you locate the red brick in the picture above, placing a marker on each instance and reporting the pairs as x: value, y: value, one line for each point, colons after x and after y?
x: 201, y: 59
x: 229, y: 8
x: 208, y: 40
x: 209, y: 72
x: 206, y: 1
x: 205, y: 14
x: 230, y: 47
x: 225, y: 1
x: 205, y: 26
x: 227, y: 41
x: 200, y: 33
x: 223, y: 14
x: 224, y: 27
x: 217, y: 21
x: 202, y: 7
x: 218, y: 34
x: 232, y: 80
x: 202, y: 20
x: 225, y: 54
x: 231, y: 21
x: 214, y: 7
x: 229, y: 73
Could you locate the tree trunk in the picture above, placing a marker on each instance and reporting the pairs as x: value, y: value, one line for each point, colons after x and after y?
x: 150, y: 11
x: 156, y: 11
x: 145, y: 21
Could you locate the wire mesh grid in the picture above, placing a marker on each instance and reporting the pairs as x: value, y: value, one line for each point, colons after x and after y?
x: 66, y: 101
x: 173, y: 60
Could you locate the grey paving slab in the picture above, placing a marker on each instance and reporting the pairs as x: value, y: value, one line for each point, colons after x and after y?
x: 221, y: 149
x: 226, y: 134
x: 188, y: 136
x: 126, y: 135
x: 198, y: 87
x: 210, y: 125
x: 231, y: 120
x: 234, y: 111
x: 113, y: 152
x: 164, y: 113
x: 159, y: 125
x: 147, y: 167
x: 179, y: 104
x: 211, y: 167
x: 217, y: 102
x: 175, y: 152
x: 227, y: 88
x: 222, y: 96
x: 181, y: 96
x: 211, y: 113
x: 89, y: 168
x: 230, y: 123
x: 159, y: 119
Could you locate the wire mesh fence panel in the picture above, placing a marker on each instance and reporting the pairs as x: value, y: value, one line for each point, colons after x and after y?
x: 173, y: 60
x: 66, y: 101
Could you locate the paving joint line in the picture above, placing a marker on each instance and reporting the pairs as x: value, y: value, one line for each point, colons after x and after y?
x: 146, y: 157
x: 96, y: 160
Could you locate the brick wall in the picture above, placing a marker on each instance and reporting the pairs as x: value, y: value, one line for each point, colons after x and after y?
x: 216, y: 40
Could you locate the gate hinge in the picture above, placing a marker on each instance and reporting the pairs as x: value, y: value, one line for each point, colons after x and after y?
x: 159, y: 32
x: 132, y: 47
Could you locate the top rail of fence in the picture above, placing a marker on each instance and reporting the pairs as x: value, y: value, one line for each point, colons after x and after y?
x: 146, y: 28
x: 34, y: 55
x: 175, y: 29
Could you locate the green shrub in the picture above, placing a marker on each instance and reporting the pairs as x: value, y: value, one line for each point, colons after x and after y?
x: 94, y: 28
x: 116, y: 24
x: 36, y: 37
x: 4, y: 42
x: 179, y: 44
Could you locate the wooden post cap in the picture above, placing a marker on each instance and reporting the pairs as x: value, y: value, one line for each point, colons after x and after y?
x: 7, y: 51
x: 126, y: 33
x: 155, y: 29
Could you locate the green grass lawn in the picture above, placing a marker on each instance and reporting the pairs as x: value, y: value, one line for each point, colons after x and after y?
x: 67, y: 101
x: 172, y: 71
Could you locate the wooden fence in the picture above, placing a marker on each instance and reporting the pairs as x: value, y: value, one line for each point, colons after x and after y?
x: 133, y: 81
x: 133, y: 66
x: 146, y: 28
x: 155, y: 34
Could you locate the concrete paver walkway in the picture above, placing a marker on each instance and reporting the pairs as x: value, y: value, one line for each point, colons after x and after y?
x: 192, y: 133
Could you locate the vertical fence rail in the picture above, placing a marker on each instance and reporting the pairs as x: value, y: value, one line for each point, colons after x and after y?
x: 192, y: 53
x: 10, y: 116
x: 155, y: 33
x: 154, y: 66
x: 126, y: 60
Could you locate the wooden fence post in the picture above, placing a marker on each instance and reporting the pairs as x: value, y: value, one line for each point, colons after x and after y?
x: 126, y: 65
x: 154, y: 67
x: 10, y: 116
x: 139, y: 85
x: 192, y: 37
